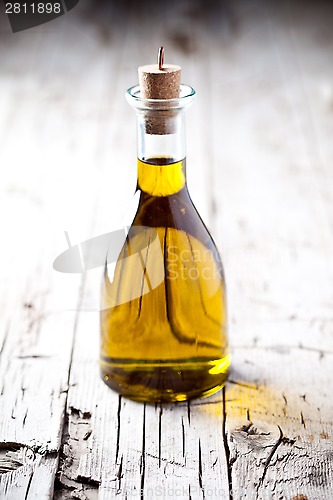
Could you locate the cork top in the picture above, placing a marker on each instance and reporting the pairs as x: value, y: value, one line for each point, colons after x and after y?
x: 160, y: 81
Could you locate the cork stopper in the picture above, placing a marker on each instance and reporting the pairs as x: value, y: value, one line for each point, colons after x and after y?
x: 160, y: 81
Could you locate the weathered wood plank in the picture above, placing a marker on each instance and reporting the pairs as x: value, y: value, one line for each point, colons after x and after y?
x: 261, y: 72
x: 128, y: 448
x: 272, y: 214
x: 274, y: 432
x: 42, y: 127
x: 279, y: 425
x: 31, y: 475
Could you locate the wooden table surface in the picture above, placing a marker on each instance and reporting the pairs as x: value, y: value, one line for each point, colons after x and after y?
x: 260, y: 158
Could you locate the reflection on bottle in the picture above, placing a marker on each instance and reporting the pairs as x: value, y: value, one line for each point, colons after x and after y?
x: 97, y: 251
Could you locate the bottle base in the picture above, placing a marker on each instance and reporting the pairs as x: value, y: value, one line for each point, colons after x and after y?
x: 165, y: 382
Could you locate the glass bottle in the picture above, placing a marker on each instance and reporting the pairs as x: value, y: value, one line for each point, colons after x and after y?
x: 163, y: 306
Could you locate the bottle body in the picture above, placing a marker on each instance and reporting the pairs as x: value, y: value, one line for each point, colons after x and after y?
x: 163, y: 314
x: 163, y: 307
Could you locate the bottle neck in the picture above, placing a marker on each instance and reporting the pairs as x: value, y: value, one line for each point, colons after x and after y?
x: 161, y: 152
x: 161, y: 136
x: 161, y: 141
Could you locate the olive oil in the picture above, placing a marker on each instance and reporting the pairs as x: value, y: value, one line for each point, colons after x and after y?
x: 163, y: 313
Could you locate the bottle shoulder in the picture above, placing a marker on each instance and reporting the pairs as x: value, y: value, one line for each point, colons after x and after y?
x: 176, y: 211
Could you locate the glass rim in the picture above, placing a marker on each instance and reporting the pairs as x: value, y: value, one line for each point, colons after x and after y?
x: 186, y: 96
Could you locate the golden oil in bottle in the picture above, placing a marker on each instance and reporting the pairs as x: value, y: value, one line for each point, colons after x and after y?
x: 163, y: 315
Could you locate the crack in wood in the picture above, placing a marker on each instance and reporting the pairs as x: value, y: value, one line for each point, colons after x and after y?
x: 120, y: 473
x: 88, y: 480
x: 288, y: 441
x: 269, y: 459
x: 74, y: 442
x: 252, y: 430
x: 118, y: 426
x: 189, y: 412
x: 166, y: 461
x: 76, y: 486
x: 160, y: 435
x: 200, y: 471
x: 243, y: 384
x: 143, y: 458
x: 183, y: 436
x: 25, y: 418
x: 28, y: 487
x: 80, y: 413
x: 225, y: 442
x: 87, y: 435
x: 5, y: 338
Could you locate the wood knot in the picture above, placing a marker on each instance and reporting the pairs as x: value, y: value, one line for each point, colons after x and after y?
x: 257, y: 436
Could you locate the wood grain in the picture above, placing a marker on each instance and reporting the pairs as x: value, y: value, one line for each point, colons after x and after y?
x: 259, y: 171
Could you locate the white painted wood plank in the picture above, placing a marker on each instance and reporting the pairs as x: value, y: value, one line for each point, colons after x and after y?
x: 32, y: 480
x: 268, y: 420
x: 279, y: 424
x: 126, y: 448
x: 266, y: 189
x: 50, y: 152
x: 277, y: 239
